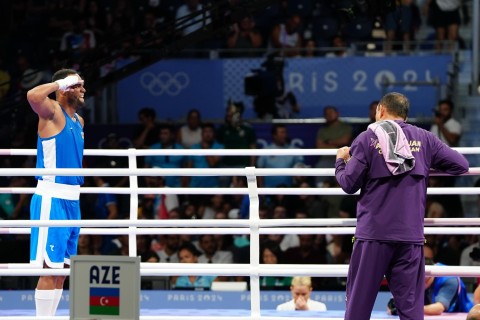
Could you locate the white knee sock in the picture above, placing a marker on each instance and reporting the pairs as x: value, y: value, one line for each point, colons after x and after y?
x: 43, y: 302
x: 56, y: 300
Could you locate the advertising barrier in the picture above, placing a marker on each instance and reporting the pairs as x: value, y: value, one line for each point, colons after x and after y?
x: 172, y: 87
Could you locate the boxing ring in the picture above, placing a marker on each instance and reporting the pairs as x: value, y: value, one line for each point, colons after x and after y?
x: 253, y: 227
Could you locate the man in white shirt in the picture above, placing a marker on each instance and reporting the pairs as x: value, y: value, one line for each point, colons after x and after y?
x: 445, y: 126
x: 301, y: 288
x: 169, y: 253
x: 208, y: 245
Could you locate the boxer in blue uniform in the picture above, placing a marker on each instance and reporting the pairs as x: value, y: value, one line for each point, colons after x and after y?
x: 390, y: 163
x: 59, y: 145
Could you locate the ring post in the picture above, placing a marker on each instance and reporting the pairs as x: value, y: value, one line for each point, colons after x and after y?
x: 133, y: 179
x: 254, y: 242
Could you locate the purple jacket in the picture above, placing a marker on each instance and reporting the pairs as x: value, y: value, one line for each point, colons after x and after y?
x: 392, y: 208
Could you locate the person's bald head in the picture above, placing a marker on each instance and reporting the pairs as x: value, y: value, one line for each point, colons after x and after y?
x: 474, y: 313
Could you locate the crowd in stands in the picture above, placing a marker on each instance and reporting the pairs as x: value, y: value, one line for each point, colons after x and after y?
x: 97, y: 36
x: 94, y: 35
x: 235, y: 132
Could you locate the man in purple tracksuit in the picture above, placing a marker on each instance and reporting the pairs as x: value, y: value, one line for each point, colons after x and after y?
x: 389, y: 234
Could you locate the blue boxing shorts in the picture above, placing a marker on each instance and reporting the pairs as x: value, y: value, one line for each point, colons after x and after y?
x: 54, y: 245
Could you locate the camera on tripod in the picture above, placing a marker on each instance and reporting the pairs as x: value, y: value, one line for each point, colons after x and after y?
x: 266, y: 85
x: 263, y: 82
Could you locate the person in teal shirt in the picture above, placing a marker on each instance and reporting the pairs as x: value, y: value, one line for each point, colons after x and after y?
x: 208, y: 142
x: 280, y: 140
x: 166, y: 141
x: 188, y: 253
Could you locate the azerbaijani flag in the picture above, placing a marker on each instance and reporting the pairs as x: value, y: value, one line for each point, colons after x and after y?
x: 105, y: 301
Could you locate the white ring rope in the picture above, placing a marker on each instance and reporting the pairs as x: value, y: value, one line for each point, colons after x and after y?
x: 261, y: 191
x: 225, y: 223
x: 168, y: 269
x: 193, y: 317
x: 239, y: 231
x: 204, y: 152
x: 254, y: 226
x: 184, y: 172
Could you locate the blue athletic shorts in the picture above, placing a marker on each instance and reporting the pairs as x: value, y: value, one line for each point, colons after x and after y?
x: 54, y: 245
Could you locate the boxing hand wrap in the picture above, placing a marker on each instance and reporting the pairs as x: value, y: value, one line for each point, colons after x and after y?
x: 71, y: 80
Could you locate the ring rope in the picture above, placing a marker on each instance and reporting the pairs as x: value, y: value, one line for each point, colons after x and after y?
x: 170, y: 317
x: 168, y: 269
x: 230, y: 191
x: 207, y: 152
x: 240, y: 231
x: 186, y: 172
x: 225, y: 223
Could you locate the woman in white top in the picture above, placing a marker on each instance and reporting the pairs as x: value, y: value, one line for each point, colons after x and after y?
x: 190, y: 133
x: 301, y: 288
x: 286, y: 37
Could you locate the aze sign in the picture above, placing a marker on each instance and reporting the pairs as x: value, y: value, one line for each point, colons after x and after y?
x: 111, y: 292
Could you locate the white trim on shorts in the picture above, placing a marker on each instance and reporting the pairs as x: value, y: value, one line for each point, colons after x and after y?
x: 58, y: 190
x: 41, y: 254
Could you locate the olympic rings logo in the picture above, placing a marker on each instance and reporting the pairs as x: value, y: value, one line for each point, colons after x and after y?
x: 165, y: 82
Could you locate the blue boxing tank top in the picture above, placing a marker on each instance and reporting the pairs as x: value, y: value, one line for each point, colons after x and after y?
x: 63, y: 150
x: 462, y: 302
